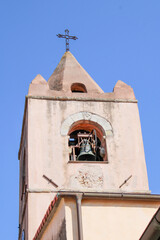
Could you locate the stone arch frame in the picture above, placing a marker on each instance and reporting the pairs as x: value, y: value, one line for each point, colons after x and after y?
x: 87, y: 121
x: 67, y: 123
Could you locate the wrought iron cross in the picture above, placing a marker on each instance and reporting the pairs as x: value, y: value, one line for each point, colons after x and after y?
x: 67, y: 37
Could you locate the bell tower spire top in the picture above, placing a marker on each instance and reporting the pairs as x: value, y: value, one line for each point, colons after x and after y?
x: 67, y: 37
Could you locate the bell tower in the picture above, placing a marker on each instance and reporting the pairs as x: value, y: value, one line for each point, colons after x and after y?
x: 77, y: 138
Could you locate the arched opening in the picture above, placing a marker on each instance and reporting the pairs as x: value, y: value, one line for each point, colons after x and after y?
x: 87, y: 142
x: 78, y: 87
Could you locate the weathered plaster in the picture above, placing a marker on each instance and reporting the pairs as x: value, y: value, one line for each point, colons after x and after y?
x: 51, y: 109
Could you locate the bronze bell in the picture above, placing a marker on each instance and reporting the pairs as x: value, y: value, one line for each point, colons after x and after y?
x: 86, y: 153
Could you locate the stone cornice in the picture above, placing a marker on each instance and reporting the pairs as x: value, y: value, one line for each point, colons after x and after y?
x: 88, y: 99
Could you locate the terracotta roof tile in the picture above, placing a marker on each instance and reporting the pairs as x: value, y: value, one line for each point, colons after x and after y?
x: 46, y: 216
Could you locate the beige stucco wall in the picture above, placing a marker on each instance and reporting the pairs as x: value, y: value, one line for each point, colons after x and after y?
x: 112, y: 220
x: 56, y: 228
x: 48, y: 152
x: 49, y: 114
x: 48, y: 149
x: 38, y: 204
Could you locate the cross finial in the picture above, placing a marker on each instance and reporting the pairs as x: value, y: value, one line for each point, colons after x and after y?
x: 67, y: 37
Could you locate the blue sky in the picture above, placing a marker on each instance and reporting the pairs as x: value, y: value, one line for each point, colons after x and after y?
x: 117, y: 39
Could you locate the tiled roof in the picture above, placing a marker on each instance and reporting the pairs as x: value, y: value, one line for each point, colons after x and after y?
x: 51, y: 206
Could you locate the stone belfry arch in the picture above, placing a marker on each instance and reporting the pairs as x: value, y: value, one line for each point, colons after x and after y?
x: 59, y: 190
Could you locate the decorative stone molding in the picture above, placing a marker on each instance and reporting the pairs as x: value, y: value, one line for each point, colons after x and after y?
x: 86, y: 116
